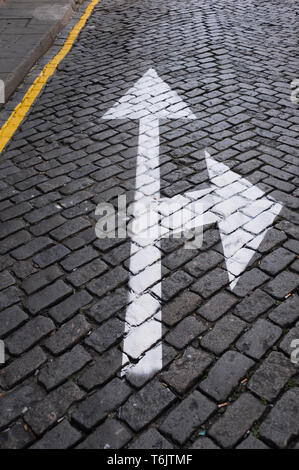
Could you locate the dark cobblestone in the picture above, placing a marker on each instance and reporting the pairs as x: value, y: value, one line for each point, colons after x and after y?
x: 186, y: 370
x: 187, y: 330
x: 61, y: 436
x: 238, y: 418
x: 151, y: 439
x: 42, y: 415
x: 11, y: 319
x: 29, y: 334
x: 22, y: 368
x: 187, y: 417
x: 259, y: 339
x: 95, y: 408
x: 145, y: 405
x: 226, y: 374
x: 254, y: 305
x: 110, y: 435
x: 223, y: 334
x: 282, y: 422
x: 272, y: 376
x: 68, y: 335
x: 48, y: 296
x: 58, y: 370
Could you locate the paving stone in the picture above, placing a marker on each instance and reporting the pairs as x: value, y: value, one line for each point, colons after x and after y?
x: 47, y: 297
x: 282, y: 284
x: 11, y: 319
x: 287, y: 312
x: 96, y: 407
x: 210, y: 283
x: 237, y: 420
x: 109, y: 305
x: 31, y: 248
x: 108, y: 281
x: 217, y: 306
x: 286, y: 343
x: 254, y: 305
x: 179, y: 307
x: 51, y: 255
x: 187, y: 369
x: 68, y: 335
x: 173, y: 284
x: 6, y: 280
x: 22, y: 368
x: 41, y: 279
x: 70, y: 228
x: 86, y: 273
x: 259, y: 339
x: 204, y: 443
x: 250, y: 281
x: 223, y: 334
x: 58, y: 370
x: 28, y: 335
x: 203, y: 262
x: 138, y: 377
x: 110, y: 435
x: 226, y: 374
x: 271, y: 377
x: 277, y: 261
x: 9, y: 296
x: 43, y: 414
x: 82, y: 256
x: 187, y: 330
x: 105, y: 367
x: 16, y: 437
x: 183, y: 420
x: 23, y: 269
x: 106, y: 335
x: 146, y: 405
x: 282, y: 422
x: 61, y: 436
x: 151, y: 439
x: 13, y: 241
x: 13, y: 404
x: 67, y: 308
x: 251, y: 443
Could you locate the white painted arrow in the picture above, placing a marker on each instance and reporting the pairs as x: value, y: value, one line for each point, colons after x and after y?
x: 242, y: 211
x: 149, y: 100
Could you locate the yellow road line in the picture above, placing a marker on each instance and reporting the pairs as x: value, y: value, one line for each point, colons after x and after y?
x: 20, y: 111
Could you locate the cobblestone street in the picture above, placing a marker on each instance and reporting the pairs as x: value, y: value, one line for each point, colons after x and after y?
x: 143, y: 342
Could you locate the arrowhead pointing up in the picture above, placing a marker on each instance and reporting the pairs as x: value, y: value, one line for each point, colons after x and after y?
x: 150, y: 96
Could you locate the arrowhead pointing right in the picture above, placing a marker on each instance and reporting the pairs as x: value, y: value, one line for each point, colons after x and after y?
x: 246, y: 214
x: 150, y: 96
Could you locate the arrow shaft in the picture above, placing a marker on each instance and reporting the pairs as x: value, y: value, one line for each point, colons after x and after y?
x: 143, y: 314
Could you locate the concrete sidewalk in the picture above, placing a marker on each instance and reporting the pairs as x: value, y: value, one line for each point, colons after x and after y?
x: 27, y: 30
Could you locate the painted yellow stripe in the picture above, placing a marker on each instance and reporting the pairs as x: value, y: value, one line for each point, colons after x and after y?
x: 19, y: 113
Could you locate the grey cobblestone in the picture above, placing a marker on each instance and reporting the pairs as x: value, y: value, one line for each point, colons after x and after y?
x: 238, y: 418
x: 282, y: 422
x: 95, y: 408
x: 144, y: 406
x: 225, y: 375
x: 259, y: 339
x: 187, y: 417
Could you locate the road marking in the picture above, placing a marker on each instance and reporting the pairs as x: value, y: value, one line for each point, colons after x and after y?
x: 243, y: 212
x: 143, y: 102
x: 21, y: 110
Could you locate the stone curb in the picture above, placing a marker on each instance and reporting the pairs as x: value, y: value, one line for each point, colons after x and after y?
x: 14, y: 79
